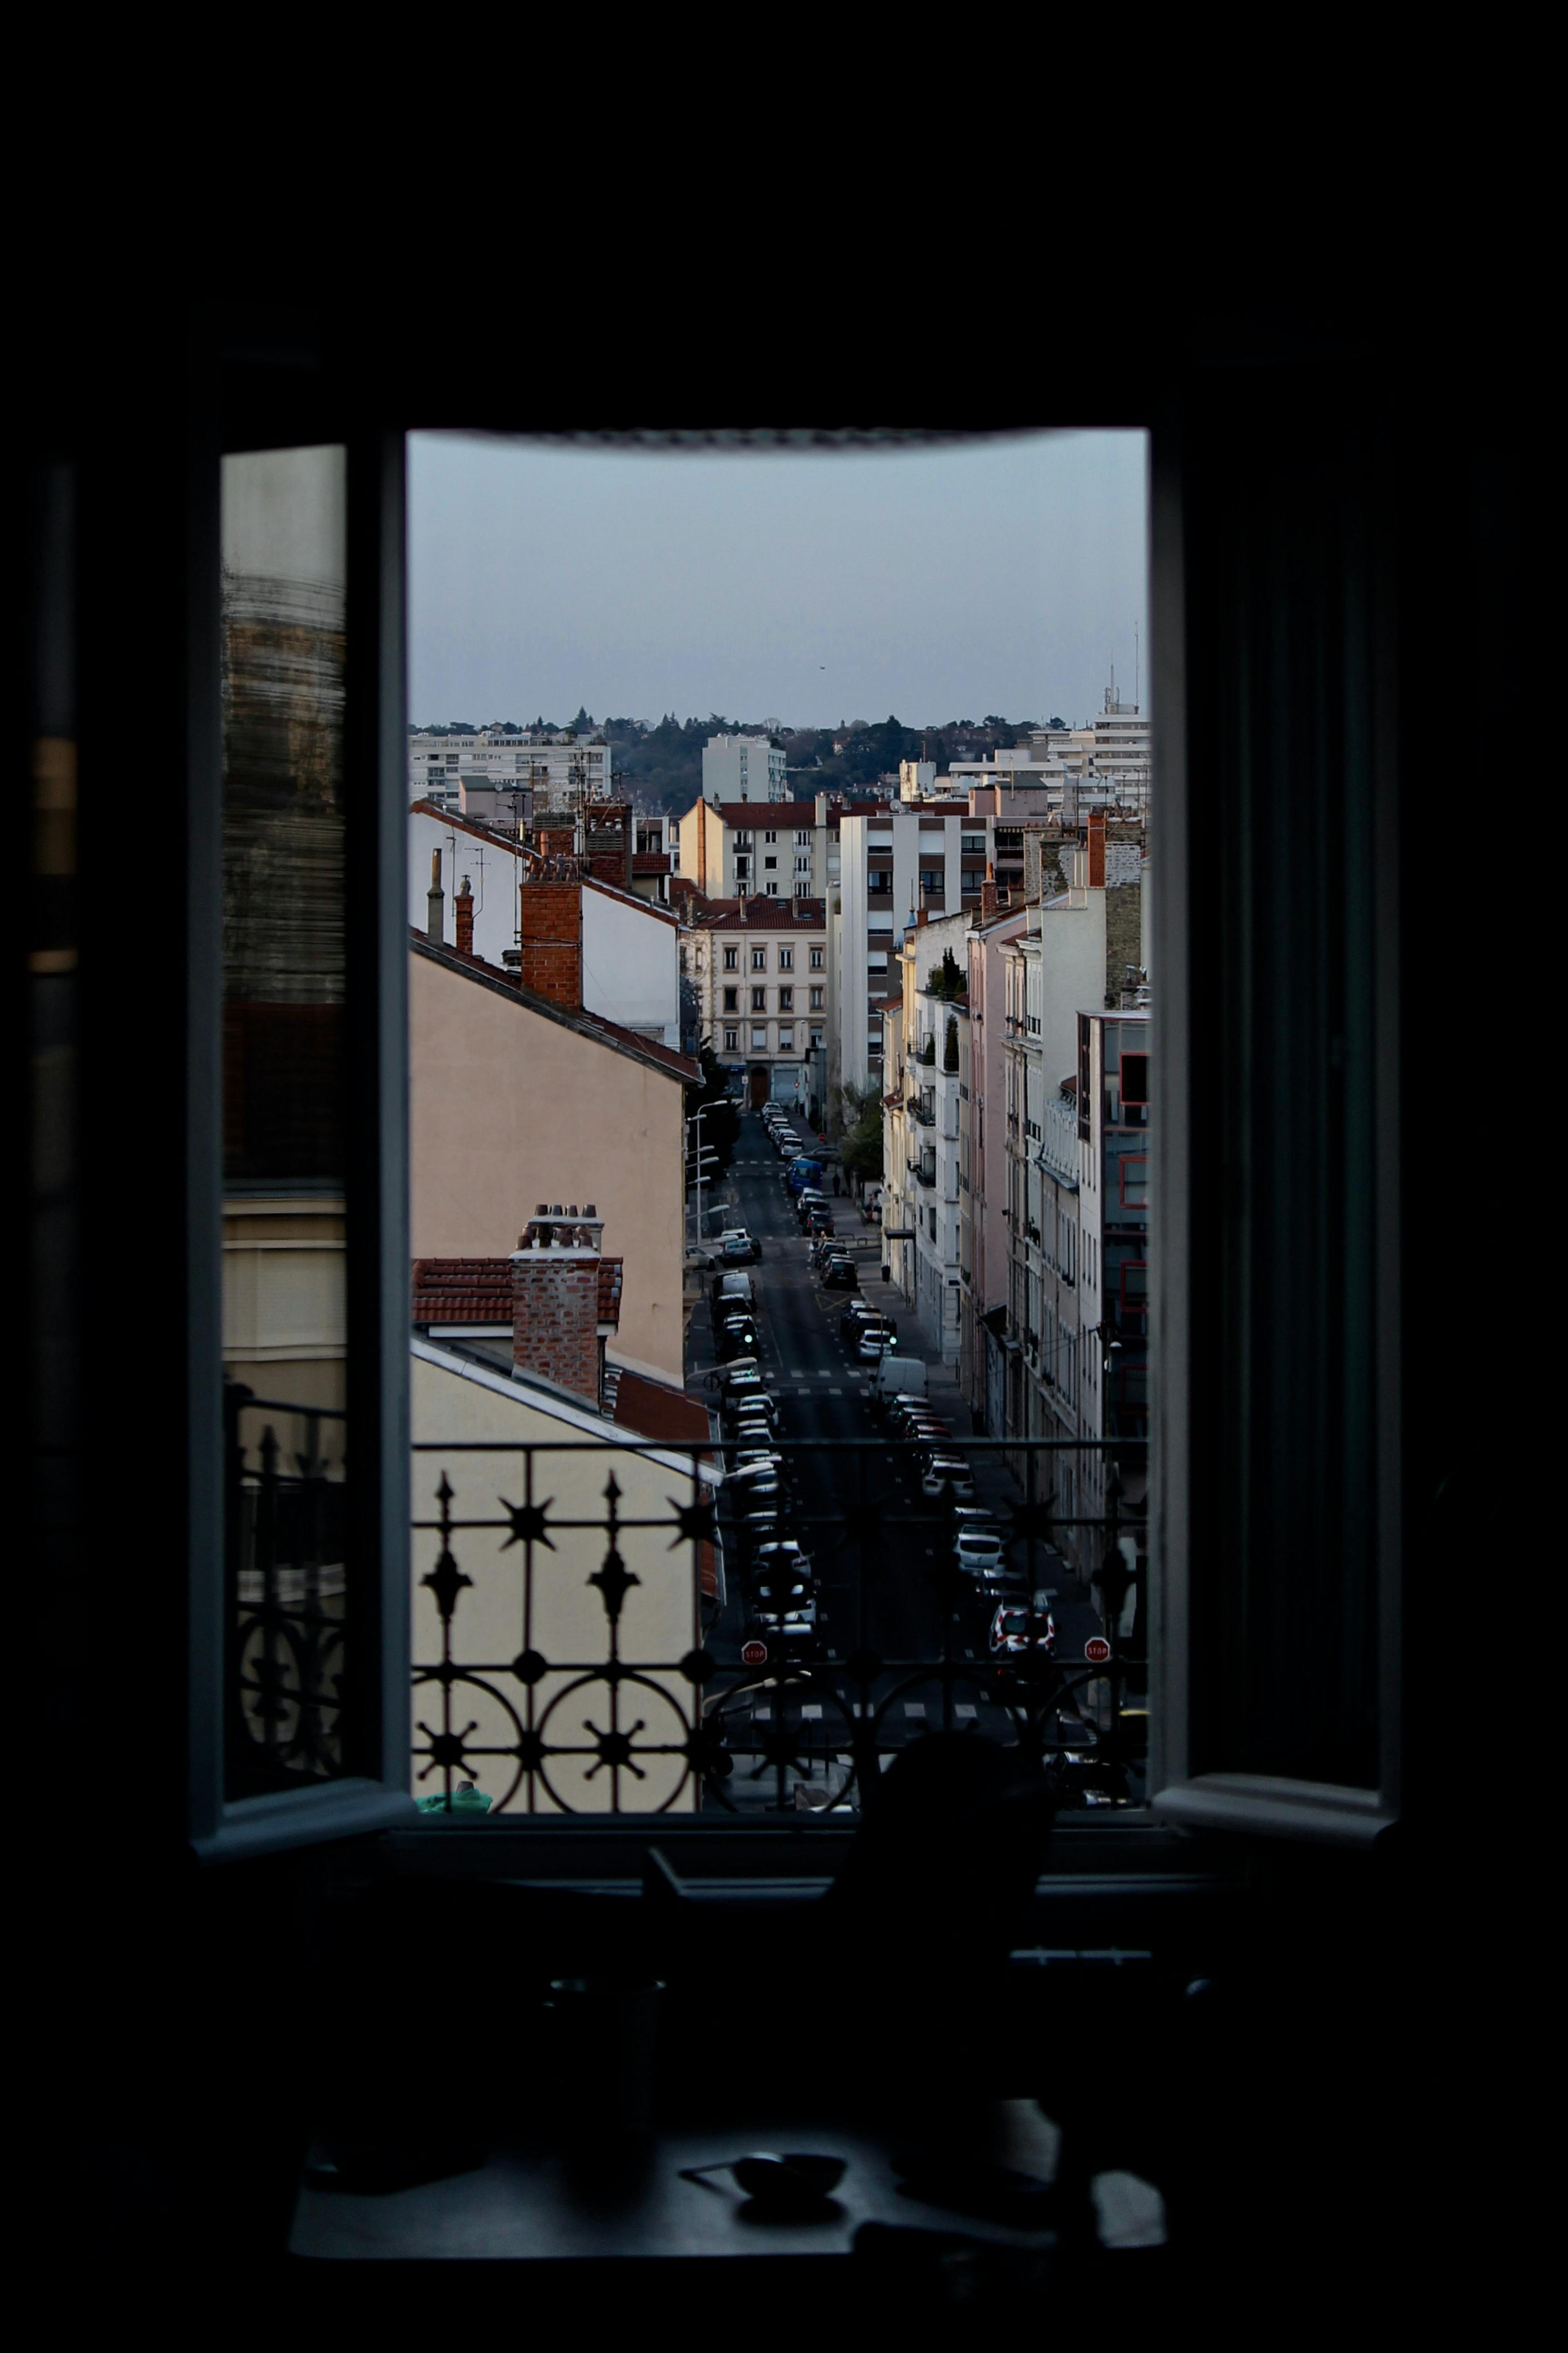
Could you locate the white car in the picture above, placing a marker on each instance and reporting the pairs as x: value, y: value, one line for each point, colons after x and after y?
x: 945, y: 1472
x: 979, y: 1550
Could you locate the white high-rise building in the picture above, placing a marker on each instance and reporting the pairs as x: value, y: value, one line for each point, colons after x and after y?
x: 893, y: 866
x: 743, y: 768
x: 558, y: 770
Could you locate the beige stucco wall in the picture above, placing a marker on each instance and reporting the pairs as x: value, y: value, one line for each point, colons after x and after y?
x: 566, y: 1622
x: 508, y: 1109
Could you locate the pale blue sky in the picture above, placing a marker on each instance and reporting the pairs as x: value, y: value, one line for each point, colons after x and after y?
x: 934, y: 584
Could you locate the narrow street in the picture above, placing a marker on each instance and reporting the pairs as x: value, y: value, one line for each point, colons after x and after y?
x: 877, y: 1548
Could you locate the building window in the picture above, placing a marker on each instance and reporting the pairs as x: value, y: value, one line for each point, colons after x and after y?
x: 772, y: 890
x: 786, y: 1001
x: 1135, y: 1287
x: 769, y: 864
x: 731, y: 957
x: 732, y: 1000
x: 759, y: 1001
x: 731, y: 1040
x: 759, y: 1040
x: 1134, y: 1078
x: 816, y: 996
x: 759, y: 959
x: 802, y: 865
x: 786, y: 959
x: 1135, y: 1182
x: 879, y: 884
x: 815, y: 1033
x: 786, y: 1039
x: 770, y: 836
x: 932, y: 881
x: 742, y: 841
x: 816, y: 959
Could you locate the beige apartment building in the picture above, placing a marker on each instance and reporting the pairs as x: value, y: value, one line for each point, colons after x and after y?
x: 762, y: 969
x: 514, y: 1100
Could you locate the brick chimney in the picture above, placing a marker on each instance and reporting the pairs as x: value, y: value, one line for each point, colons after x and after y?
x: 551, y: 962
x: 608, y: 839
x: 463, y: 912
x: 1097, y: 850
x: 988, y: 891
x: 555, y: 1298
x: 435, y: 904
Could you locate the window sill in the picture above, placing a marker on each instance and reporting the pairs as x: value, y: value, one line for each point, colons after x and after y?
x: 1264, y: 1805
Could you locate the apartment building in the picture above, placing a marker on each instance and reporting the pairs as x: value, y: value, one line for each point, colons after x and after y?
x: 762, y: 971
x: 1052, y: 967
x: 743, y: 768
x: 559, y: 771
x: 512, y: 1080
x: 1113, y: 1120
x: 983, y: 1236
x: 925, y: 1056
x: 1103, y: 765
x: 732, y: 850
x: 896, y: 863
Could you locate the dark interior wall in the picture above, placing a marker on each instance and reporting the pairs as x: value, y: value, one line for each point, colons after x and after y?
x: 167, y: 2001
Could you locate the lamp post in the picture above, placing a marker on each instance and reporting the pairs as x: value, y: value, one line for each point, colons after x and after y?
x: 704, y: 1152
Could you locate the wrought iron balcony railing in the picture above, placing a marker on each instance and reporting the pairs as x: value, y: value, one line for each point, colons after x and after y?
x: 594, y: 1633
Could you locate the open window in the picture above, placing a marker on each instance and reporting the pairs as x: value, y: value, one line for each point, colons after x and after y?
x: 1272, y: 1406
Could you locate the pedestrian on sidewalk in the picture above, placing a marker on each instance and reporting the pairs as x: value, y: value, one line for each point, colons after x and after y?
x: 835, y: 1184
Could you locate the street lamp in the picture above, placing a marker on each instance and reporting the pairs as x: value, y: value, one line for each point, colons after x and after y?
x: 704, y: 1152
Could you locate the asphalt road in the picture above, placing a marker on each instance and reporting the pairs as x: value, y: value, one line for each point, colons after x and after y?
x: 879, y: 1550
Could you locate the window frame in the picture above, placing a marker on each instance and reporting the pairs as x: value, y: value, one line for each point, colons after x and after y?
x: 375, y: 757
x: 1180, y: 1362
x: 220, y: 1829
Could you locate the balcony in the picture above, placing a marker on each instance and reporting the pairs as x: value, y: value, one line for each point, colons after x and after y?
x: 708, y: 1728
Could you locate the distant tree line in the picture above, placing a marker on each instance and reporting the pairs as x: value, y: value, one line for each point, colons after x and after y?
x: 659, y: 768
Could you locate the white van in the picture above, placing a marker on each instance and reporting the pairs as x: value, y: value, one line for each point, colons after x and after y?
x: 733, y: 1291
x: 896, y: 1376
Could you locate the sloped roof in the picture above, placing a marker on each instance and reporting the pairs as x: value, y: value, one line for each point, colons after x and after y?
x: 478, y: 1290
x: 758, y: 914
x: 586, y: 1024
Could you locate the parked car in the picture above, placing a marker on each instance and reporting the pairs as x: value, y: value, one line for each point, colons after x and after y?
x: 873, y: 1341
x: 739, y: 1247
x: 1016, y: 1630
x: 741, y: 1393
x: 944, y: 1473
x: 978, y: 1550
x: 787, y: 1556
x: 920, y: 1425
x: 817, y: 1221
x: 736, y: 1336
x: 842, y: 1274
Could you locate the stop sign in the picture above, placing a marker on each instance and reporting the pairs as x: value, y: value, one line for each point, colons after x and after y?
x: 755, y: 1655
x: 1097, y: 1649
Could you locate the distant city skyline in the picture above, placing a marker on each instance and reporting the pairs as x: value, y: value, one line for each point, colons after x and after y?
x: 1006, y: 576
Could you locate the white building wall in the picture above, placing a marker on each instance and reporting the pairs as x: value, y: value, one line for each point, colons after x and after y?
x: 631, y: 964
x: 743, y: 768
x: 492, y: 869
x: 873, y: 923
